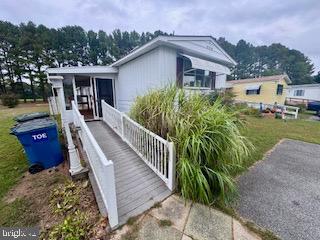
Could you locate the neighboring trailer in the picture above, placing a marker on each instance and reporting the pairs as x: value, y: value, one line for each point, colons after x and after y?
x: 303, y: 93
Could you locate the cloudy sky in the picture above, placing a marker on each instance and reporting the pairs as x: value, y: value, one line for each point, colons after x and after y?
x: 294, y: 23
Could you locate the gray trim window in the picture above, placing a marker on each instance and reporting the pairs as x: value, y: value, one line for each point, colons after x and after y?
x: 279, y: 89
x: 195, y: 78
x: 298, y: 92
x: 253, y: 91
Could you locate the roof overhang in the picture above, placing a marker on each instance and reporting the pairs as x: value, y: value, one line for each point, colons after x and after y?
x: 172, y: 41
x: 314, y: 85
x: 207, y: 65
x: 83, y: 70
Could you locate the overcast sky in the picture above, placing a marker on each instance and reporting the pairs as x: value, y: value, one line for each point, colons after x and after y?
x: 294, y: 23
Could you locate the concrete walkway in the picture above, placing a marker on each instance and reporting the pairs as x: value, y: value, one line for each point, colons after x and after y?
x: 175, y: 219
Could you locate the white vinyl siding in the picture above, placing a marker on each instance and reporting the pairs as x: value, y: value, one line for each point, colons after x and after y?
x: 311, y: 93
x: 154, y: 69
x: 221, y: 81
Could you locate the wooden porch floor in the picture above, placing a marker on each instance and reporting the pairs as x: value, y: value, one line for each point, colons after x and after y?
x: 138, y: 188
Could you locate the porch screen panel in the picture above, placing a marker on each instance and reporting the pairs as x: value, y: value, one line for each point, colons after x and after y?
x: 212, y: 76
x: 179, y: 80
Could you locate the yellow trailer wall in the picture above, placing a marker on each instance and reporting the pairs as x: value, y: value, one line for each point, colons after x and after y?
x: 268, y: 92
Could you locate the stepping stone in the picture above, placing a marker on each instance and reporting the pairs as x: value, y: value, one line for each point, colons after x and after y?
x: 185, y: 237
x: 242, y: 233
x: 151, y: 230
x: 205, y: 223
x: 174, y: 209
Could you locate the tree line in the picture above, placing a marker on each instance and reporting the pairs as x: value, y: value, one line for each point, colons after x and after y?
x: 255, y: 61
x: 26, y: 50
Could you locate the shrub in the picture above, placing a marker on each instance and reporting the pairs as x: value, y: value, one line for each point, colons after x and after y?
x: 226, y: 97
x: 73, y: 227
x: 10, y: 100
x: 207, y: 139
x: 302, y: 108
x: 251, y: 111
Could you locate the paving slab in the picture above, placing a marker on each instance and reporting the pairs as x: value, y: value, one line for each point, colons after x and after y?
x: 205, y: 223
x: 174, y: 209
x: 282, y: 193
x: 151, y: 230
x: 185, y: 237
x: 242, y: 233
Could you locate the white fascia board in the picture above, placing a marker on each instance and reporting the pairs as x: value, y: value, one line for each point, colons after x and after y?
x: 316, y: 85
x: 82, y: 70
x: 169, y: 41
x: 208, y: 38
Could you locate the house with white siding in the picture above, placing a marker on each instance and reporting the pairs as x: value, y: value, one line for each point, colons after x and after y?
x: 192, y: 62
x: 303, y: 93
x: 130, y: 168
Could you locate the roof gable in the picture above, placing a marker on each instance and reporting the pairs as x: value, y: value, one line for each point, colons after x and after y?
x: 202, y: 46
x: 205, y: 47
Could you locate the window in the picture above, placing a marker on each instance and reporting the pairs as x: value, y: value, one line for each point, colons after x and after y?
x: 253, y: 91
x: 298, y: 93
x: 196, y: 78
x: 279, y: 89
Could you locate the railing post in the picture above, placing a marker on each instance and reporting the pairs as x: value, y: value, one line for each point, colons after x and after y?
x: 75, y: 164
x: 171, y: 166
x: 122, y: 127
x: 109, y: 190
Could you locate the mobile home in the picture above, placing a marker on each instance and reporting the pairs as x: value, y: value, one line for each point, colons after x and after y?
x: 191, y: 62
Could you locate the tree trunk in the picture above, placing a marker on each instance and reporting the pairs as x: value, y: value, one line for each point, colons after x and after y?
x: 42, y: 84
x: 32, y: 85
x: 22, y: 89
x: 2, y: 82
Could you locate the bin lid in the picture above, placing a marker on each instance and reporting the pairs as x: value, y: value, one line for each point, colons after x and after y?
x: 36, y: 124
x: 31, y: 116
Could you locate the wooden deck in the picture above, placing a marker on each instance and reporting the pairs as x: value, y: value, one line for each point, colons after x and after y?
x: 138, y: 188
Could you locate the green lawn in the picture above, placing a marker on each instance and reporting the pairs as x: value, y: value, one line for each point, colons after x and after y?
x: 12, y: 160
x: 264, y: 133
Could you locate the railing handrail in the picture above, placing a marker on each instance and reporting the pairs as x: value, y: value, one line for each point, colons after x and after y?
x: 122, y: 124
x: 278, y: 105
x: 135, y: 123
x: 105, y: 177
x: 146, y: 130
x: 291, y: 110
x: 110, y: 107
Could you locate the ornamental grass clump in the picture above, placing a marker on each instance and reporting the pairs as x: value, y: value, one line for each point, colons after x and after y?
x: 208, y: 142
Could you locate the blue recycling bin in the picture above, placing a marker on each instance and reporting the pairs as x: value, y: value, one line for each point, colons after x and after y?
x: 40, y: 140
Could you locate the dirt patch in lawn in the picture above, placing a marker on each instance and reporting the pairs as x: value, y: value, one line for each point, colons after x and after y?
x: 35, y: 201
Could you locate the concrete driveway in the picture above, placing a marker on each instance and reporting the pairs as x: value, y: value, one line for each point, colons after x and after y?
x: 282, y: 193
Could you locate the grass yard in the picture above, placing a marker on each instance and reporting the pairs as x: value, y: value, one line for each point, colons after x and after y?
x: 13, y: 164
x: 264, y: 133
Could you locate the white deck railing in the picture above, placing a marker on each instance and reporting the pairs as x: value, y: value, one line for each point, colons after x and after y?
x: 112, y: 117
x: 156, y: 152
x: 102, y: 168
x: 287, y: 110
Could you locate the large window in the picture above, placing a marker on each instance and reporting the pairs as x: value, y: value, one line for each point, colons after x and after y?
x: 253, y: 91
x: 298, y: 93
x: 196, y: 78
x: 279, y: 89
